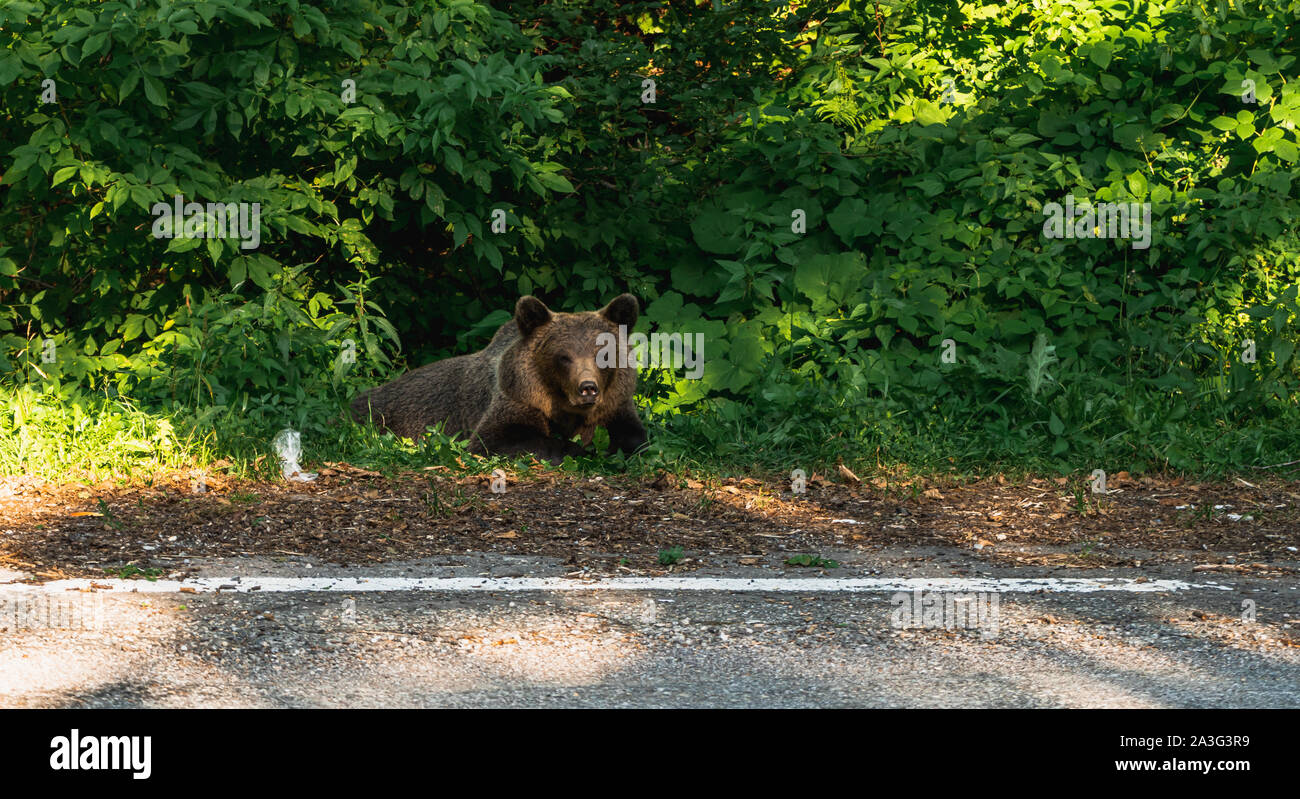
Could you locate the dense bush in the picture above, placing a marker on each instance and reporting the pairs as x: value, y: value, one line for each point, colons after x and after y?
x: 920, y: 141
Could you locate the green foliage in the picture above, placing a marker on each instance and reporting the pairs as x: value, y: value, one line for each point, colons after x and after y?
x: 280, y: 359
x: 668, y: 557
x: 131, y: 572
x: 917, y: 143
x: 815, y: 561
x: 221, y: 101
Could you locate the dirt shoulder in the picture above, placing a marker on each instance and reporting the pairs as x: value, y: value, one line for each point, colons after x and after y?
x: 616, y: 524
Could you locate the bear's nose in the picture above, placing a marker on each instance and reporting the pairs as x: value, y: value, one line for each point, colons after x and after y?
x: 588, y: 391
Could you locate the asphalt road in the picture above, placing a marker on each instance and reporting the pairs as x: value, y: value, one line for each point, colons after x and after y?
x: 1193, y: 647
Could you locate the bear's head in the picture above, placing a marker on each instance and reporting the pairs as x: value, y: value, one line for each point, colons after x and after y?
x: 570, y: 353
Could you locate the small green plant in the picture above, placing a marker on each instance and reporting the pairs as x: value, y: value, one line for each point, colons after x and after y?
x: 668, y: 557
x: 110, y: 518
x: 130, y: 571
x: 445, y: 507
x: 1199, y: 513
x: 705, y: 502
x: 463, y: 500
x: 1080, y: 503
x: 434, y: 505
x: 816, y: 561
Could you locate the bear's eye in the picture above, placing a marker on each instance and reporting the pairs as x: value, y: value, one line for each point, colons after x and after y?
x: 565, y: 360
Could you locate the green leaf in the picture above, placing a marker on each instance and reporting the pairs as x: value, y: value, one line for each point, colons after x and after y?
x: 853, y: 218
x: 94, y: 44
x: 154, y: 91
x: 1100, y: 54
x: 1265, y: 142
x: 129, y: 83
x: 831, y: 280
x: 63, y: 174
x: 262, y: 270
x: 1020, y: 140
x: 133, y: 327
x: 179, y: 244
x: 717, y: 231
x: 555, y: 182
x: 11, y: 66
x: 928, y: 113
x: 1137, y: 185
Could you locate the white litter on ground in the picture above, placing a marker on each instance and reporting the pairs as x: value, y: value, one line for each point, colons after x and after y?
x: 288, y: 446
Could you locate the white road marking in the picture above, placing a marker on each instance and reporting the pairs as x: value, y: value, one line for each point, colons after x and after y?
x: 246, y: 584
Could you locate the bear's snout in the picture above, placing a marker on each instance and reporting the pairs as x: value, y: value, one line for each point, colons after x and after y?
x: 588, y: 392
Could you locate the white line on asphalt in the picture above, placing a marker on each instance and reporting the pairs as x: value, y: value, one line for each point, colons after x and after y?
x: 717, y: 584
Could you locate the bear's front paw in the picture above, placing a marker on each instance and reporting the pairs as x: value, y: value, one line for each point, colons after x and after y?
x: 629, y: 444
x: 554, y: 450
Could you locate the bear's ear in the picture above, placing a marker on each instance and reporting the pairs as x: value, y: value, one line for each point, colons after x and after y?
x: 530, y: 314
x: 622, y: 310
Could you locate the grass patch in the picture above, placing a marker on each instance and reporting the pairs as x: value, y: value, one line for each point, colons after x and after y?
x: 131, y: 572
x: 67, y: 436
x: 668, y: 557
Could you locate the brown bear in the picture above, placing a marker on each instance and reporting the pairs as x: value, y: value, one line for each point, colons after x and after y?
x: 535, y: 385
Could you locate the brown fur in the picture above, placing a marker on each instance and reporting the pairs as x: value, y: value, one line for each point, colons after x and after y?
x: 523, y: 392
